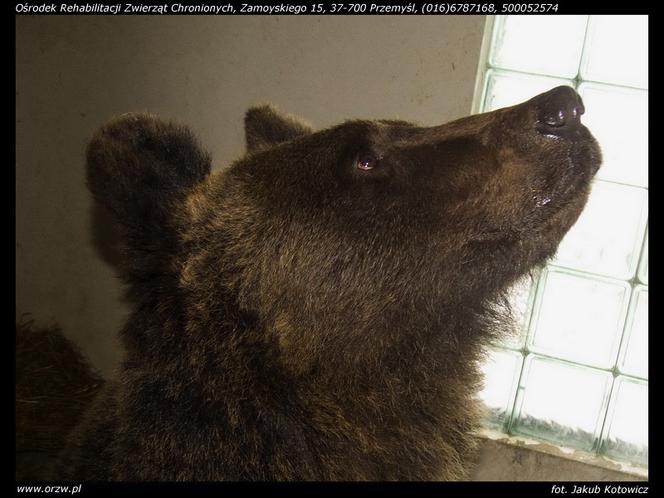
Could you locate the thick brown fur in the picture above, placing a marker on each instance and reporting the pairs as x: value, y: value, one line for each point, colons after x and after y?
x: 54, y: 387
x: 298, y: 318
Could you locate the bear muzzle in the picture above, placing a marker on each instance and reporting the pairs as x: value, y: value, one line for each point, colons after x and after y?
x: 559, y: 112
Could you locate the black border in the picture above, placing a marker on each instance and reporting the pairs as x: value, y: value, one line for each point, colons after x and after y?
x: 469, y: 488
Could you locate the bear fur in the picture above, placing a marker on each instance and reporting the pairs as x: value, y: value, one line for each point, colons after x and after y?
x: 317, y: 310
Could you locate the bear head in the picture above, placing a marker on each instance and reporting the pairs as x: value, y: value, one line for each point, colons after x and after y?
x: 338, y: 250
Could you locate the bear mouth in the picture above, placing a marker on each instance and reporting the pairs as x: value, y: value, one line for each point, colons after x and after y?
x: 582, y: 161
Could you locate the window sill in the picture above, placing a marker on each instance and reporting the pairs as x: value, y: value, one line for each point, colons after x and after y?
x: 506, y: 458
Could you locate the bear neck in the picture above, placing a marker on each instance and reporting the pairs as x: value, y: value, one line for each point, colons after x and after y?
x: 389, y: 404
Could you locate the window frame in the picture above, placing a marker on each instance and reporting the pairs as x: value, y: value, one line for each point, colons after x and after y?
x: 637, y: 283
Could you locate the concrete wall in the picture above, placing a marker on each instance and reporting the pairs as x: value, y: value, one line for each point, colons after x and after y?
x: 73, y: 73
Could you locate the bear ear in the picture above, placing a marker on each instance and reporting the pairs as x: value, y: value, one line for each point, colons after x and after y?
x: 265, y: 126
x: 139, y: 166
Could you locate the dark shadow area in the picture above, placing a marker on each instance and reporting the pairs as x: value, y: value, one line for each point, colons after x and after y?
x: 106, y: 236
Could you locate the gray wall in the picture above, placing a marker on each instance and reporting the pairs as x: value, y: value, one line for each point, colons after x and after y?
x: 73, y: 73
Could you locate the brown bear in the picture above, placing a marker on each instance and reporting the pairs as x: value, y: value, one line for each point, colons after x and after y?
x: 317, y: 310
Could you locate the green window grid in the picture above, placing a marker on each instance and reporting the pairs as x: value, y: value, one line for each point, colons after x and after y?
x: 590, y: 405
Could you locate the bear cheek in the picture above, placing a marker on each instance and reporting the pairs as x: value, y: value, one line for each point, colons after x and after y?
x: 504, y: 199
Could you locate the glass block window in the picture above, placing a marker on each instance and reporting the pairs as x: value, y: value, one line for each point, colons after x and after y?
x: 576, y: 372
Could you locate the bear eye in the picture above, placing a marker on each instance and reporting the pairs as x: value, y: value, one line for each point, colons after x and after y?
x: 365, y: 162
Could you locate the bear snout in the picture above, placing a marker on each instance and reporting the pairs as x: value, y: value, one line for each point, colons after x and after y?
x: 558, y: 112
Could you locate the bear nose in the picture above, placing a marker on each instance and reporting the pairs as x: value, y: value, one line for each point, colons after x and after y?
x: 559, y: 110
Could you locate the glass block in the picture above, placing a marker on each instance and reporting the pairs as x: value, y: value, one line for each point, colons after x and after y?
x: 627, y: 434
x: 562, y: 403
x: 506, y: 89
x: 501, y: 376
x: 616, y: 50
x: 580, y: 319
x: 634, y: 359
x: 520, y: 296
x: 607, y: 237
x: 534, y: 44
x: 643, y: 268
x: 618, y: 118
